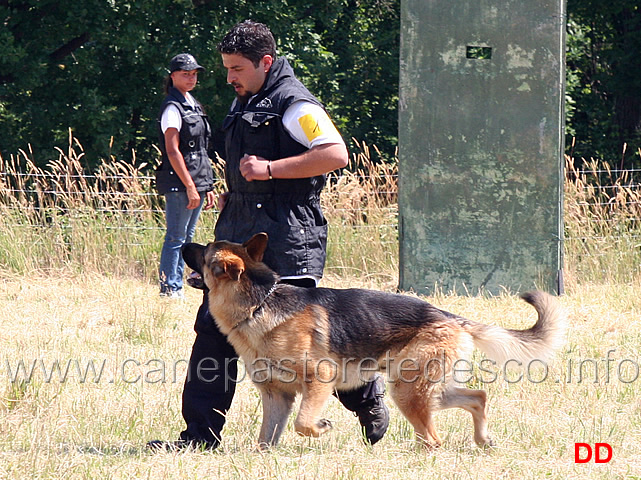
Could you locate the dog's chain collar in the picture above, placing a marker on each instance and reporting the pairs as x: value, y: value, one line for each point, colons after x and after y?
x: 258, y: 307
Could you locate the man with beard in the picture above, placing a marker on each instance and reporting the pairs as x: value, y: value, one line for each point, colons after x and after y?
x: 279, y: 144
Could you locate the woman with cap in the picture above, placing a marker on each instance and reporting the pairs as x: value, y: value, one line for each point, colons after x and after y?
x: 185, y: 176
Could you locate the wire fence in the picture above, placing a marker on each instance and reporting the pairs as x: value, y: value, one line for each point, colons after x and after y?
x: 129, y: 204
x: 602, y: 217
x: 63, y: 206
x: 65, y: 216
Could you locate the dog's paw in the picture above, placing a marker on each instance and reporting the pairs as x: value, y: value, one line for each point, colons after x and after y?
x: 486, y: 443
x: 316, y: 430
x: 262, y: 447
x: 324, y: 425
x: 430, y: 446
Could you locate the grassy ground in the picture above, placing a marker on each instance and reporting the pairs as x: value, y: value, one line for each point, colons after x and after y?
x: 92, y: 364
x: 88, y: 426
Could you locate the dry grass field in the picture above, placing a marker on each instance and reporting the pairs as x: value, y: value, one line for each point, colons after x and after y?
x: 92, y: 361
x: 121, y: 351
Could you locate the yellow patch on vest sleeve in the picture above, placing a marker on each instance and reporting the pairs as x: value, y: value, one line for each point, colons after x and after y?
x: 310, y: 126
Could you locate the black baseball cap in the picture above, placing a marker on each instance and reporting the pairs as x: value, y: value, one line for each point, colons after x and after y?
x: 184, y: 61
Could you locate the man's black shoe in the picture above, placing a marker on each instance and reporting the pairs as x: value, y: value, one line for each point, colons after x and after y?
x: 180, y: 445
x: 374, y: 416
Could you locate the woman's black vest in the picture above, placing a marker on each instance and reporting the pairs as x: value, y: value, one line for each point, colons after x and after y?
x: 194, y: 140
x: 287, y: 209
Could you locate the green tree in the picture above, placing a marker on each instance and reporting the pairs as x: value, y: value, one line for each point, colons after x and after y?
x: 96, y: 67
x: 604, y: 85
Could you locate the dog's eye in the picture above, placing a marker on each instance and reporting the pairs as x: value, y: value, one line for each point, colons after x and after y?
x: 217, y: 270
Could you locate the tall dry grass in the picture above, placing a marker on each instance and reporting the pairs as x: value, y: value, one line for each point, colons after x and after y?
x: 602, y: 215
x: 361, y: 207
x: 65, y: 217
x: 111, y: 220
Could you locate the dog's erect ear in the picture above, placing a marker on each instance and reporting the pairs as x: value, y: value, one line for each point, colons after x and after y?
x: 256, y: 246
x: 234, y: 268
x: 194, y: 256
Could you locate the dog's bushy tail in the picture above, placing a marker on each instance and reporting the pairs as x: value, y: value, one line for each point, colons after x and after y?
x: 537, y: 342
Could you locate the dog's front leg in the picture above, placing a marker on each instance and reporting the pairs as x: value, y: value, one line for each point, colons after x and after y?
x: 277, y: 406
x: 308, y: 421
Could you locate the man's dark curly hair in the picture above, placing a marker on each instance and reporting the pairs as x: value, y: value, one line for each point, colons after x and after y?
x: 250, y: 39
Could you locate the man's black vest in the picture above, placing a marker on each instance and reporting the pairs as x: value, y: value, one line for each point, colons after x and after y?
x: 195, y: 135
x: 287, y: 209
x: 257, y: 129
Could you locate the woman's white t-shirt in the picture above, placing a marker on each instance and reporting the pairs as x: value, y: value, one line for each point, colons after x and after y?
x: 171, y: 117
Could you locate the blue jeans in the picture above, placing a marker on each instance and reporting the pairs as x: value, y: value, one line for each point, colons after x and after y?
x: 181, y: 226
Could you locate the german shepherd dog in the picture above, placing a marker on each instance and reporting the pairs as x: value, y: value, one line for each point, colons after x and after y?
x: 310, y: 341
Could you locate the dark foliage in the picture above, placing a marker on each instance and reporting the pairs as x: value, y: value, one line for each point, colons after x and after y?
x: 603, y: 80
x: 96, y: 67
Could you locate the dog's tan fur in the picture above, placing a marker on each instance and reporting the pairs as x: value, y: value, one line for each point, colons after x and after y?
x: 305, y: 341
